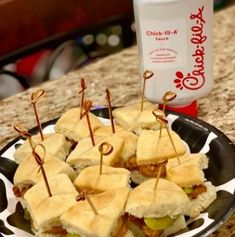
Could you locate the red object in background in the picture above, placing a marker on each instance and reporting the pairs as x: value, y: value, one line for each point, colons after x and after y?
x: 26, y: 65
x: 191, y: 109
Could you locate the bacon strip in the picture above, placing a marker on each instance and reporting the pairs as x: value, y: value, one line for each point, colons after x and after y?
x: 150, y: 170
x: 198, y: 189
x: 57, y: 230
x: 20, y: 192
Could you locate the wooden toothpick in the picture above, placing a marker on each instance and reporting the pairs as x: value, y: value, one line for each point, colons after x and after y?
x: 82, y: 92
x: 157, y: 113
x: 35, y: 96
x: 87, y: 107
x: 167, y: 97
x: 105, y: 149
x: 84, y: 196
x: 24, y: 133
x: 40, y: 162
x: 164, y: 122
x: 108, y: 98
x: 146, y: 75
x: 160, y: 164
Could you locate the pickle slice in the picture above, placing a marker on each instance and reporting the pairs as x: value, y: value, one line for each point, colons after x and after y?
x: 72, y: 235
x: 159, y: 223
x: 188, y: 190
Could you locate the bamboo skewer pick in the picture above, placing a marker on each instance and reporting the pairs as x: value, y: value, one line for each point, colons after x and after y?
x: 24, y: 133
x: 108, y: 98
x: 87, y: 107
x: 82, y: 92
x: 157, y: 113
x: 105, y: 149
x: 161, y: 164
x: 35, y: 96
x: 82, y: 196
x: 164, y: 122
x: 167, y: 97
x: 91, y: 204
x: 40, y: 162
x: 146, y: 75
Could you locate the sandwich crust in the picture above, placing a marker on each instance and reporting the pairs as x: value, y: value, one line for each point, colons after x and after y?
x: 132, y: 119
x: 190, y: 170
x: 28, y: 173
x: 151, y: 149
x: 106, y: 131
x: 110, y: 206
x: 92, y: 156
x: 130, y: 139
x: 75, y: 128
x: 130, y: 144
x: 55, y: 144
x: 82, y: 147
x: 167, y: 200
x: 111, y: 178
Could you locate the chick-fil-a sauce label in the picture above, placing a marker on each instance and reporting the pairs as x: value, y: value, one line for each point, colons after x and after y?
x: 165, y: 43
x: 195, y: 79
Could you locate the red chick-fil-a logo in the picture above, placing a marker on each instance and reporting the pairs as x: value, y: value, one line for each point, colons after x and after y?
x: 196, y: 79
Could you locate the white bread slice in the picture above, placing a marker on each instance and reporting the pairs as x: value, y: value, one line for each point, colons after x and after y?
x: 106, y: 131
x: 130, y: 144
x: 82, y: 147
x: 130, y: 139
x: 55, y: 144
x: 203, y: 200
x: 44, y: 210
x: 190, y: 170
x: 80, y: 219
x: 131, y: 118
x: 167, y: 200
x: 27, y: 173
x: 151, y: 149
x: 92, y: 155
x: 111, y: 178
x: 75, y: 128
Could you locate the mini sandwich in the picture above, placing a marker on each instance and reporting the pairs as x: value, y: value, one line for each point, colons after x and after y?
x: 150, y: 151
x: 130, y: 140
x: 132, y: 119
x: 55, y: 144
x: 45, y: 211
x: 90, y: 179
x: 157, y: 212
x: 189, y: 175
x: 75, y: 128
x: 110, y: 221
x: 85, y: 154
x: 27, y: 173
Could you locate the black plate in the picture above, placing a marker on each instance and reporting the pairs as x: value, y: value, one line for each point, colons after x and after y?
x: 200, y: 136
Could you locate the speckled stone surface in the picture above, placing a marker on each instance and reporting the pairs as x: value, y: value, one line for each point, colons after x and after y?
x: 119, y: 73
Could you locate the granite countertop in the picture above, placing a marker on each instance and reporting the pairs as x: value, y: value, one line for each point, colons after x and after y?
x: 119, y: 72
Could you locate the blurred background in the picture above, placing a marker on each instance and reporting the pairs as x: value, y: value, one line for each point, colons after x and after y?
x: 42, y: 40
